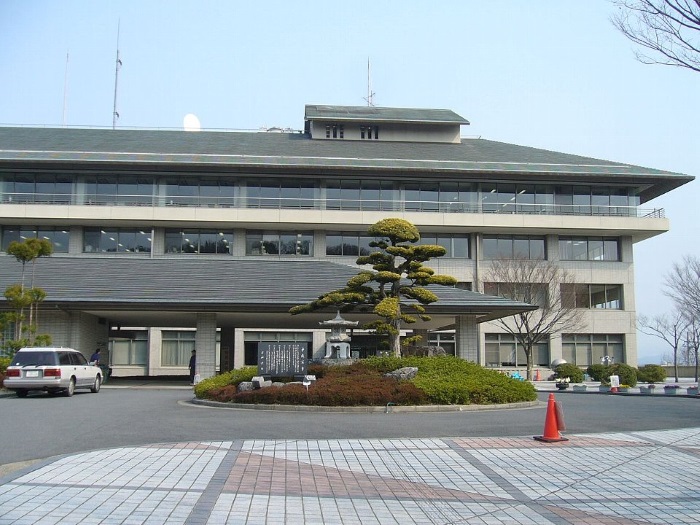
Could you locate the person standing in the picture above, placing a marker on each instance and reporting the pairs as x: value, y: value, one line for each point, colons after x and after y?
x: 95, y: 358
x: 193, y: 365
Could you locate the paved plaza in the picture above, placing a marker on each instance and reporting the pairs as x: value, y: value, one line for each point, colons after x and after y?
x: 626, y: 478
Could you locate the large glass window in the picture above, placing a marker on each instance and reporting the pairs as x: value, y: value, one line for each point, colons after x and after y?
x: 37, y: 188
x: 360, y: 195
x: 348, y: 244
x: 599, y: 296
x: 503, y: 350
x: 274, y: 193
x: 177, y: 347
x: 589, y: 349
x: 589, y: 249
x: 513, y: 247
x: 198, y: 241
x: 456, y: 246
x: 131, y: 350
x: 59, y: 237
x: 532, y: 293
x: 279, y: 243
x: 113, y: 240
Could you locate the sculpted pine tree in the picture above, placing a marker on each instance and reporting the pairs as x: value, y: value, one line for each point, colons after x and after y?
x: 396, y: 284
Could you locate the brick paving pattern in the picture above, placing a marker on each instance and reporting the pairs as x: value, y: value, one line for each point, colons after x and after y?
x: 631, y: 478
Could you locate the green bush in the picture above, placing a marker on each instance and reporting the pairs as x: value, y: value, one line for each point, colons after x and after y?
x: 574, y: 373
x: 599, y: 373
x: 651, y: 374
x: 440, y: 380
x: 4, y: 363
x: 627, y: 373
x: 602, y: 373
x: 203, y: 389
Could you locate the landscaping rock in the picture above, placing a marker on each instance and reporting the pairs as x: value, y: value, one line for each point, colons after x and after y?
x: 259, y: 382
x: 407, y: 372
x: 245, y: 386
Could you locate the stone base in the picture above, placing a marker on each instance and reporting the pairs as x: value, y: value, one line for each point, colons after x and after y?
x: 335, y: 362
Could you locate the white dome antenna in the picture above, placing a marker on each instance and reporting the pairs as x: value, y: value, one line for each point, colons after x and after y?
x: 191, y: 122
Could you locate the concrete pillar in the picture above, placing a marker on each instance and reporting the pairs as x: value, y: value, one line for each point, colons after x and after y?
x: 467, y: 338
x: 205, y: 342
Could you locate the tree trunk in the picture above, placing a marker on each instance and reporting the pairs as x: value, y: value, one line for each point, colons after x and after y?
x: 395, y: 339
x: 528, y: 360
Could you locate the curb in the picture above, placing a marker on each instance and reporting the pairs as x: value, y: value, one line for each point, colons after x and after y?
x: 388, y: 409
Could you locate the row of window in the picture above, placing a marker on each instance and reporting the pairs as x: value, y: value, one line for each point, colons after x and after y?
x: 346, y: 194
x: 578, y: 349
x: 589, y: 296
x: 500, y: 349
x: 197, y: 241
x: 337, y: 131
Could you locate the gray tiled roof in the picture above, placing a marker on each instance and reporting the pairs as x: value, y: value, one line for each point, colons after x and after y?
x: 378, y: 114
x: 226, y: 283
x: 291, y: 153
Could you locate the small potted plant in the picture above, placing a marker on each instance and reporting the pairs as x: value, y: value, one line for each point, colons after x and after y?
x: 671, y: 390
x: 648, y: 389
x: 563, y: 383
x: 693, y: 390
x: 623, y: 389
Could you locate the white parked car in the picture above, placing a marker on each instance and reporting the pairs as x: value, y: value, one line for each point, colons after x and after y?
x: 52, y: 370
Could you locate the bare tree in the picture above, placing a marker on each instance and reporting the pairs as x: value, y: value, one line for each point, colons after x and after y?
x: 691, y: 345
x: 683, y: 286
x: 540, y: 283
x: 668, y: 328
x: 670, y: 29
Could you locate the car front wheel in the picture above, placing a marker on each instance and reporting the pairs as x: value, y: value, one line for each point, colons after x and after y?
x: 71, y: 388
x: 96, y: 386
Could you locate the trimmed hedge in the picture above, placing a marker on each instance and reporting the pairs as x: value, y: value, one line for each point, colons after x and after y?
x: 574, y: 373
x: 444, y: 380
x: 602, y: 373
x: 651, y: 374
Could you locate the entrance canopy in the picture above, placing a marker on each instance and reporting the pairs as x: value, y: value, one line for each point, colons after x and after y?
x: 243, y: 292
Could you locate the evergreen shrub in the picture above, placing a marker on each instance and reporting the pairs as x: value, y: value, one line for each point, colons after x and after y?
x: 440, y: 380
x: 573, y: 372
x: 651, y: 374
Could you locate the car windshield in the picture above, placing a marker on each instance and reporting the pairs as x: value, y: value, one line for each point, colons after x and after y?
x: 36, y: 358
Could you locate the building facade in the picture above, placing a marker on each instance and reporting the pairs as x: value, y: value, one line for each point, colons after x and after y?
x: 169, y: 240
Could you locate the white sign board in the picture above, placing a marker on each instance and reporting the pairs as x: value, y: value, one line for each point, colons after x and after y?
x: 615, y: 381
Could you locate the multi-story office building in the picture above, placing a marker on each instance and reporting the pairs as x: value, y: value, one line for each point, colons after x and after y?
x: 167, y: 240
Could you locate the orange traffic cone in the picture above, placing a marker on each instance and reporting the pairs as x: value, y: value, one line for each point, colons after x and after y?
x: 553, y: 422
x: 537, y: 375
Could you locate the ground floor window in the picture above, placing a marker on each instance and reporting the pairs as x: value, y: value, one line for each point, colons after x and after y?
x: 177, y: 347
x: 444, y: 339
x: 251, y: 340
x: 133, y: 350
x: 590, y: 349
x: 502, y: 350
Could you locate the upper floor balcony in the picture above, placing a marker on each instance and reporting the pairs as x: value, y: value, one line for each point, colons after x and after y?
x: 350, y: 203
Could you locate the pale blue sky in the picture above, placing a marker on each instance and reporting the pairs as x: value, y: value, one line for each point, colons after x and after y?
x: 552, y: 74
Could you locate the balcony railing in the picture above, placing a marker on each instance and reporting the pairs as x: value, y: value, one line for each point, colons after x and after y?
x: 334, y: 204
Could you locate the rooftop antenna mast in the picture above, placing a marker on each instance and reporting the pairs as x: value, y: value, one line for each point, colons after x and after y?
x: 117, y: 66
x: 65, y: 92
x: 370, y: 94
